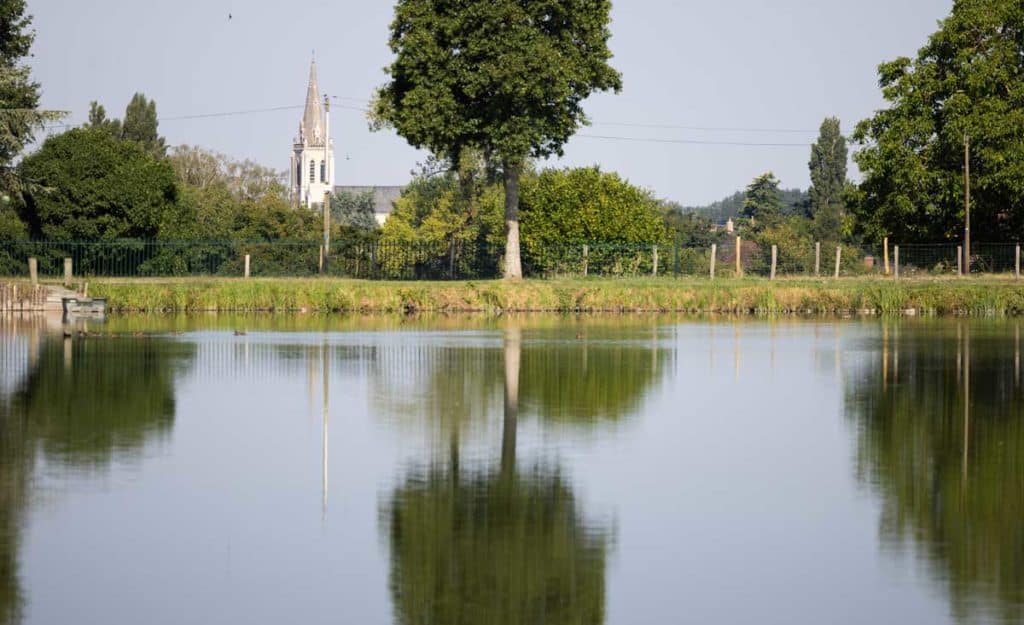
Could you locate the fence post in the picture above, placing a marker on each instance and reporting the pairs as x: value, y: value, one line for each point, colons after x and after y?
x: 775, y: 259
x: 839, y: 259
x: 246, y: 265
x: 586, y: 259
x: 68, y: 271
x: 817, y: 259
x: 654, y: 252
x: 739, y: 251
x: 451, y: 259
x: 373, y: 259
x: 33, y: 271
x: 714, y: 254
x: 896, y: 258
x: 959, y: 260
x: 1017, y: 264
x: 885, y: 253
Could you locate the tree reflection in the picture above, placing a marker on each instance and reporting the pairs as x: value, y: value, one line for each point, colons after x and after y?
x: 81, y: 404
x: 948, y: 463
x: 494, y: 544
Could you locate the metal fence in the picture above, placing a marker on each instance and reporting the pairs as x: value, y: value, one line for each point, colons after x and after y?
x: 445, y: 260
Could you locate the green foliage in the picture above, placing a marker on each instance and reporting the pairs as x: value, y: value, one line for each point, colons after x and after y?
x: 454, y: 211
x: 98, y: 188
x: 227, y: 200
x: 475, y: 546
x: 20, y: 116
x: 98, y: 120
x: 795, y: 202
x: 689, y: 229
x: 828, y: 181
x: 762, y: 202
x: 967, y: 80
x: 951, y: 484
x: 354, y: 211
x: 564, y: 208
x: 505, y: 77
x: 140, y: 124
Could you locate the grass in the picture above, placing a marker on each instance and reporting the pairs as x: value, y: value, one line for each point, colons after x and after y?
x: 977, y: 296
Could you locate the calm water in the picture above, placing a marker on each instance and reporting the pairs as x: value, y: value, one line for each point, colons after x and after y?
x: 534, y: 470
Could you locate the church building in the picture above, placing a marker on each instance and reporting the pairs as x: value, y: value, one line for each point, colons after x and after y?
x: 312, y: 161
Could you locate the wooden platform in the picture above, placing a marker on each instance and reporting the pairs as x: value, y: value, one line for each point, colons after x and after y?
x: 16, y: 298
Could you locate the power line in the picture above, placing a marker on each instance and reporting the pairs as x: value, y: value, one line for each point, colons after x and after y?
x: 708, y: 128
x: 274, y: 109
x: 697, y: 142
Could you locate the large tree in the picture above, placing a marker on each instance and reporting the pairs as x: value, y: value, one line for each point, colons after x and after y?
x: 140, y: 124
x: 967, y: 81
x: 507, y: 77
x: 97, y: 187
x: 20, y: 116
x: 763, y: 202
x: 828, y: 180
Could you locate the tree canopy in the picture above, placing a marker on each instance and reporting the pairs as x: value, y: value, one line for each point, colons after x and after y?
x: 828, y: 180
x: 140, y: 124
x: 762, y: 201
x: 967, y: 81
x: 20, y: 116
x: 506, y: 77
x: 97, y: 187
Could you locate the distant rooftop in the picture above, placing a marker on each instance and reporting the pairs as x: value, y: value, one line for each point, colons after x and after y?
x: 383, y: 197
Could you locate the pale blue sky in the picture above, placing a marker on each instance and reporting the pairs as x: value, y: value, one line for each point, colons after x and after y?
x: 784, y: 64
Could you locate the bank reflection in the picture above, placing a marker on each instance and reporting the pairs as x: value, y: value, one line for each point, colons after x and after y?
x: 492, y: 541
x: 74, y: 405
x: 940, y: 422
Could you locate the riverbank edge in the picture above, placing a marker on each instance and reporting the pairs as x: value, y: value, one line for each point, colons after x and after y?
x: 868, y: 296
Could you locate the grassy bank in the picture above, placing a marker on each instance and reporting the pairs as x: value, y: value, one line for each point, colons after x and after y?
x: 874, y: 295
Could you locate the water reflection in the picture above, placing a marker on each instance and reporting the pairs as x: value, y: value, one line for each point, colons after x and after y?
x: 78, y: 405
x: 940, y: 422
x: 494, y: 544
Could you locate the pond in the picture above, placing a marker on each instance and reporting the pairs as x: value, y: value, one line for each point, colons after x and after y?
x: 471, y: 470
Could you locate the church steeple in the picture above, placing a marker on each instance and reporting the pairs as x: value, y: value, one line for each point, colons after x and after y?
x: 311, y: 128
x: 312, y: 160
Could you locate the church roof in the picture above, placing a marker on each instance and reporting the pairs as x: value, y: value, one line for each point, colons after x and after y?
x: 311, y: 129
x: 383, y: 197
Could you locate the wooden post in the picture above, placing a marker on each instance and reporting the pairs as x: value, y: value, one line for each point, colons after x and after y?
x: 321, y: 265
x: 714, y: 255
x: 33, y: 271
x: 839, y: 259
x: 246, y: 265
x: 817, y: 259
x: 959, y: 260
x: 586, y: 259
x: 896, y: 259
x: 1017, y: 264
x: 451, y: 259
x: 885, y: 253
x: 68, y: 271
x: 775, y: 259
x: 739, y: 260
x: 654, y: 253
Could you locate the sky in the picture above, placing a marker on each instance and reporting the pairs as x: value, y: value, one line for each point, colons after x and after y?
x: 696, y: 70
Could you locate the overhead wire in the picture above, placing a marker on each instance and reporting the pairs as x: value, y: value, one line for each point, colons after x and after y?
x: 705, y: 142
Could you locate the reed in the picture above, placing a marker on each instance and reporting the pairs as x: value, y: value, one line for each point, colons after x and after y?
x: 986, y: 296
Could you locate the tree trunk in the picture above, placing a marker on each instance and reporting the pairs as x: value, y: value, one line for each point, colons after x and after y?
x: 513, y: 350
x: 513, y: 262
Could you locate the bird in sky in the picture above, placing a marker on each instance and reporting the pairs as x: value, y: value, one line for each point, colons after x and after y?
x: 229, y: 17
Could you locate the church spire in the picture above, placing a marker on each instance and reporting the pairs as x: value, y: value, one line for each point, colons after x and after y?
x: 312, y: 126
